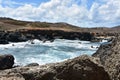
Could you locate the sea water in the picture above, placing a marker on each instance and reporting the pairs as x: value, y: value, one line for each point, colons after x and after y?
x: 48, y: 52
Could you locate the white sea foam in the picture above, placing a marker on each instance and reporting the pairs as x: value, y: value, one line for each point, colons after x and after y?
x: 47, y: 52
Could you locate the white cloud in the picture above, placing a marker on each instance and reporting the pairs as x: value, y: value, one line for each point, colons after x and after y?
x: 0, y: 1
x: 110, y: 10
x: 100, y: 14
x: 93, y: 12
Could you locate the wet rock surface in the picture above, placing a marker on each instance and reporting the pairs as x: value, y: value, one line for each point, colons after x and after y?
x: 80, y: 68
x: 109, y: 55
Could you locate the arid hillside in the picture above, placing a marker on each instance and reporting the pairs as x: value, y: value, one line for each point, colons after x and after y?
x: 11, y: 24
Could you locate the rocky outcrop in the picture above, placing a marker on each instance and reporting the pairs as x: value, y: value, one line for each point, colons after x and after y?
x: 109, y: 55
x: 15, y: 37
x: 3, y: 41
x: 48, y: 34
x: 53, y: 34
x: 10, y: 36
x: 80, y: 68
x: 6, y: 61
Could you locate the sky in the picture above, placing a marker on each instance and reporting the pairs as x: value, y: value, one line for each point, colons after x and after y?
x: 83, y: 13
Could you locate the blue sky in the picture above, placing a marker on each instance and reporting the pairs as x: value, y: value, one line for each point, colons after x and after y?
x: 31, y: 1
x: 84, y: 13
x: 37, y: 2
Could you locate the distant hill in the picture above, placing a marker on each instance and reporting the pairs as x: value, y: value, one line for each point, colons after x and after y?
x: 12, y: 24
x: 116, y: 27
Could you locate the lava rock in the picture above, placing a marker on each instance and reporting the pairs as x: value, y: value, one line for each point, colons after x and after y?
x: 80, y: 68
x: 15, y: 37
x: 6, y: 61
x: 6, y: 75
x: 3, y: 41
x: 109, y: 55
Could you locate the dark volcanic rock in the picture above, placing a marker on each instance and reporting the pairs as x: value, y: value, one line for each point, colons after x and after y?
x: 15, y: 37
x: 11, y: 36
x: 109, y: 55
x: 48, y: 35
x: 2, y: 41
x: 52, y: 34
x: 32, y: 64
x: 6, y: 61
x: 80, y: 68
x: 44, y: 35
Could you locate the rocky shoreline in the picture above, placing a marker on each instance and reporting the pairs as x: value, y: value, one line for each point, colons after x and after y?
x: 80, y: 68
x: 103, y: 65
x: 50, y: 35
x: 12, y: 30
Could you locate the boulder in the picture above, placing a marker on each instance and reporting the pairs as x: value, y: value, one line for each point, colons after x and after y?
x: 109, y: 55
x: 6, y: 61
x: 80, y: 68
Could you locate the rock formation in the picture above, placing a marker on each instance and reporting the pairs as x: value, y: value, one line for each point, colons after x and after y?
x: 6, y: 61
x: 109, y: 55
x: 80, y: 68
x: 24, y: 35
x: 47, y: 34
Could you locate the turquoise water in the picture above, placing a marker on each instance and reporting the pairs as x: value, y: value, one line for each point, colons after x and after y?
x: 48, y: 52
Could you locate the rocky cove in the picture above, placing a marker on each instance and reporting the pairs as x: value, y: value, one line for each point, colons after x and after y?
x: 103, y: 65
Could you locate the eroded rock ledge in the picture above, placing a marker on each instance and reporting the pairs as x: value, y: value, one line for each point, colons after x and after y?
x: 80, y: 68
x: 49, y: 34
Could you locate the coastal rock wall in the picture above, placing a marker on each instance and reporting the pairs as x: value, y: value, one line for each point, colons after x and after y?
x: 44, y: 35
x: 53, y: 34
x: 80, y: 68
x: 18, y: 36
x: 109, y: 55
x: 11, y: 36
